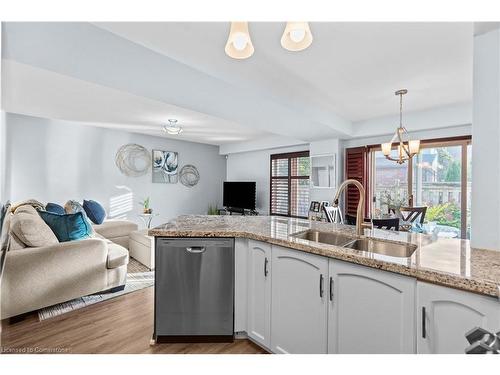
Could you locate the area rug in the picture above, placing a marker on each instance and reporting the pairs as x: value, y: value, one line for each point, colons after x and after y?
x: 135, y: 281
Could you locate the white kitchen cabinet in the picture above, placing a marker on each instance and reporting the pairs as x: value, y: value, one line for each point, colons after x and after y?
x: 444, y: 315
x: 370, y: 310
x: 299, y: 302
x: 259, y: 292
x: 240, y: 284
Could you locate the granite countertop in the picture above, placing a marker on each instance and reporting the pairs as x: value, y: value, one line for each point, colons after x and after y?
x: 443, y: 261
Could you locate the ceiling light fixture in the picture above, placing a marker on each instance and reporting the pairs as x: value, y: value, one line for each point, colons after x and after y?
x: 297, y: 36
x: 405, y: 150
x: 173, y: 127
x: 239, y: 45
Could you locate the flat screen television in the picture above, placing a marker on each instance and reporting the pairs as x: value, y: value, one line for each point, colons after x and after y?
x: 239, y: 194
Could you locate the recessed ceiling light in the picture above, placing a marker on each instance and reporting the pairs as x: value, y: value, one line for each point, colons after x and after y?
x: 172, y: 128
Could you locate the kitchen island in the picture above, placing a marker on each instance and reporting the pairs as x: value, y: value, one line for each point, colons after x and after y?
x: 423, y: 303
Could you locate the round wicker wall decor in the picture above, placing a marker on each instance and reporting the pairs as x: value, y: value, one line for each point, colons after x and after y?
x: 133, y: 160
x: 189, y: 175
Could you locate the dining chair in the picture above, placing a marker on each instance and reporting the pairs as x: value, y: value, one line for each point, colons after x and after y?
x: 412, y: 214
x: 388, y: 224
x: 350, y: 220
x: 333, y: 214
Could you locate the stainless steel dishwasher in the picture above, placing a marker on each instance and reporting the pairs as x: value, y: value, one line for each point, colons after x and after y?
x: 194, y: 289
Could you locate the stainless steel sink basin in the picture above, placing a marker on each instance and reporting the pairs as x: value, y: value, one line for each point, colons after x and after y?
x: 392, y: 249
x: 380, y: 247
x: 330, y: 238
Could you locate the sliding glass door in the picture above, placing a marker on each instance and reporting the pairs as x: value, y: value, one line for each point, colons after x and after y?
x: 390, y: 183
x: 438, y: 178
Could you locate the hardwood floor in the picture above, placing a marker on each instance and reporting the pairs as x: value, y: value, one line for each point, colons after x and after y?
x: 120, y: 325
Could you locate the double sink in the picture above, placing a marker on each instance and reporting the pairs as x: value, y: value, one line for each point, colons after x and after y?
x: 393, y: 249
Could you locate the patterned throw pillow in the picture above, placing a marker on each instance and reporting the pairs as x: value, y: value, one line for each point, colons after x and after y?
x: 72, y: 207
x: 95, y: 211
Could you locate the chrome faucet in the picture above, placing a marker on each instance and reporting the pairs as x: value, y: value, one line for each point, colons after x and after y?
x: 360, y: 212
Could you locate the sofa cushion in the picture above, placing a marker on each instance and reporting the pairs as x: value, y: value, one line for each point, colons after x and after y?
x: 115, y: 228
x: 30, y: 229
x: 55, y: 208
x: 117, y: 256
x: 68, y: 227
x: 141, y: 236
x: 95, y: 211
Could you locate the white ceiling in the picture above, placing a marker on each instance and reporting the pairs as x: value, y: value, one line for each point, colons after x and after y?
x: 110, y: 74
x: 351, y: 69
x: 67, y: 98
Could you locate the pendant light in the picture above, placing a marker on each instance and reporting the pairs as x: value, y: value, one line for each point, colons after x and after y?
x: 239, y: 45
x: 297, y: 36
x: 172, y: 128
x: 405, y: 151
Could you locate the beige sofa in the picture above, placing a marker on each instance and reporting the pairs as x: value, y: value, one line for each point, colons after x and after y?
x: 37, y: 277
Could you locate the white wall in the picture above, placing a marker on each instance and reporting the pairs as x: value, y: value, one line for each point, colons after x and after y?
x: 255, y: 166
x: 54, y: 161
x: 3, y: 145
x: 485, y: 203
x: 3, y: 197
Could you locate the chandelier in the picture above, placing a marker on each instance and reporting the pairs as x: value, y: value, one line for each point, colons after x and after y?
x: 405, y: 150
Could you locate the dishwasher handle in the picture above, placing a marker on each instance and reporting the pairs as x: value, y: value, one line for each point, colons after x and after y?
x: 196, y: 249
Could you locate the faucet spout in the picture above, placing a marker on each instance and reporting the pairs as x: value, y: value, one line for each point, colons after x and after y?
x: 360, y: 212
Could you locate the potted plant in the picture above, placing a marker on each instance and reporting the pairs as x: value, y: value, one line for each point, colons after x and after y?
x: 145, y: 206
x: 212, y: 210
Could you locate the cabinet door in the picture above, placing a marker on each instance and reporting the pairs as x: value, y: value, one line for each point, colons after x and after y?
x: 445, y: 315
x: 259, y: 292
x: 370, y: 310
x: 299, y: 308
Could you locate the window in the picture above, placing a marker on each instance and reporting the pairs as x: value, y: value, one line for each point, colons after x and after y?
x: 438, y: 177
x: 290, y: 184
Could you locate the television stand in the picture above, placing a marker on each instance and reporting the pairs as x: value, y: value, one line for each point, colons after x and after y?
x: 241, y: 211
x: 236, y: 210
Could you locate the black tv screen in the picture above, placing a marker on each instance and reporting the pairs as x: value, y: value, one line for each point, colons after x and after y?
x: 239, y: 195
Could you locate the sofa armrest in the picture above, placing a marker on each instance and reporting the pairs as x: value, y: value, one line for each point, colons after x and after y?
x: 38, y: 277
x: 115, y: 228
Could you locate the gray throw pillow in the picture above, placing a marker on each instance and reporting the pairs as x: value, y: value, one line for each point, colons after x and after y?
x: 30, y: 228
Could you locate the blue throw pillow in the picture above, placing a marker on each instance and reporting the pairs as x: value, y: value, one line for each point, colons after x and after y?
x: 95, y: 211
x: 68, y: 227
x: 55, y: 208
